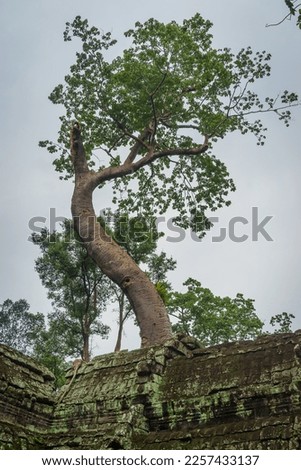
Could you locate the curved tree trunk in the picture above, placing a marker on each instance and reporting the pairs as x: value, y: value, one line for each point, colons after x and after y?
x: 115, y: 262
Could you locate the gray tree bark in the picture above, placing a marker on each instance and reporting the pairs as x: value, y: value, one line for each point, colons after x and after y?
x: 151, y: 315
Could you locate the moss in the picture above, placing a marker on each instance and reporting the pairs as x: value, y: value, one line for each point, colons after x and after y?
x: 175, y: 396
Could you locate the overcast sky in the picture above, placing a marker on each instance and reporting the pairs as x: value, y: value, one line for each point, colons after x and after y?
x: 34, y: 59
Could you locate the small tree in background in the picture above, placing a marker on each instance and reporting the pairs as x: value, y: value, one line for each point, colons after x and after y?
x: 213, y: 319
x: 19, y: 328
x: 52, y: 351
x: 78, y: 289
x: 198, y: 312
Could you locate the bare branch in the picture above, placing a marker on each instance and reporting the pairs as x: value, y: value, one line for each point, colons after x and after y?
x: 115, y: 143
x: 289, y: 15
x: 140, y: 142
x: 154, y: 127
x: 155, y: 119
x: 108, y: 152
x: 268, y: 110
x: 268, y: 25
x: 187, y: 126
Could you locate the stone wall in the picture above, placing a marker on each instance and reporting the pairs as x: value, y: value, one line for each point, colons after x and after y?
x: 26, y: 401
x: 242, y: 395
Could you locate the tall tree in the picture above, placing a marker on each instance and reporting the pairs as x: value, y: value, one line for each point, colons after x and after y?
x: 78, y: 289
x: 51, y: 350
x: 19, y: 328
x: 25, y: 331
x: 213, y: 319
x: 145, y: 122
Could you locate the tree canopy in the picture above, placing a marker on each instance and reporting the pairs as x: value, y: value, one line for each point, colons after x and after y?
x: 152, y: 113
x: 19, y: 328
x: 213, y: 319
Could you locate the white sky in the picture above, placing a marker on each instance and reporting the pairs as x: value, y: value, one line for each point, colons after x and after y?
x: 34, y: 59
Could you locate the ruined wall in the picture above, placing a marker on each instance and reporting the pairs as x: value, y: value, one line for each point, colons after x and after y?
x: 243, y: 395
x: 26, y: 401
x: 235, y: 396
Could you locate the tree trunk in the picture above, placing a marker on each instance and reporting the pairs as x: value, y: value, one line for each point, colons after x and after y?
x: 85, y: 327
x: 86, y: 349
x: 119, y: 337
x: 121, y: 322
x: 115, y: 262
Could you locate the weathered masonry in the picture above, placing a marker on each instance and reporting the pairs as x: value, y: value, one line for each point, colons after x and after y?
x: 242, y: 395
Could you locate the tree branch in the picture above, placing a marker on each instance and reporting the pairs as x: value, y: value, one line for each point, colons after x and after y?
x: 290, y: 14
x: 129, y: 168
x: 268, y: 25
x: 154, y: 127
x: 188, y: 126
x: 268, y: 110
x: 137, y: 146
x: 78, y: 155
x: 152, y: 156
x: 152, y: 95
x: 127, y: 132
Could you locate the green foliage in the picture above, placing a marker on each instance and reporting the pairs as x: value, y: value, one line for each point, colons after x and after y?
x: 284, y: 321
x: 19, y: 328
x: 51, y: 351
x: 172, y: 85
x: 27, y: 333
x: 163, y: 289
x: 78, y: 289
x: 213, y: 319
x: 158, y: 266
x: 290, y: 6
x: 137, y: 235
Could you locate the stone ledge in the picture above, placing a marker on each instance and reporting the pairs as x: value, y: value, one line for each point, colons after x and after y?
x: 244, y: 395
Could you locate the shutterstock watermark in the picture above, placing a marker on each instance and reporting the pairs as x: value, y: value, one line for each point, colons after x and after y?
x: 239, y: 229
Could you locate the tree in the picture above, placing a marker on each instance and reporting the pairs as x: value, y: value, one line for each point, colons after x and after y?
x: 50, y: 350
x: 78, y: 289
x: 19, y: 328
x: 25, y: 331
x: 145, y: 122
x: 213, y: 319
